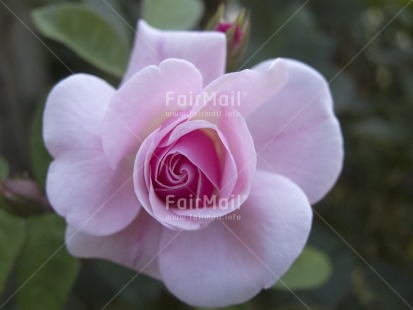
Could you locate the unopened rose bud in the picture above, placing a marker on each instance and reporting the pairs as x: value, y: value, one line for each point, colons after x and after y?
x: 237, y: 33
x: 25, y: 196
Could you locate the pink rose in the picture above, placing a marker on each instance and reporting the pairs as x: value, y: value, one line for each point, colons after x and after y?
x: 198, y: 178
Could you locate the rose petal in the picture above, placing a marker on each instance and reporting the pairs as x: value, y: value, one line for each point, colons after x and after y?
x: 74, y: 112
x: 172, y: 217
x: 200, y: 150
x: 164, y: 213
x: 206, y: 50
x: 91, y: 196
x: 229, y: 170
x: 246, y: 90
x: 135, y: 247
x: 231, y: 260
x: 296, y: 133
x: 141, y: 174
x: 241, y: 145
x: 143, y: 185
x: 142, y: 104
x: 237, y: 139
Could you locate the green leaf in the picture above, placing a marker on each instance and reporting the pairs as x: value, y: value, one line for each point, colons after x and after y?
x: 88, y: 34
x: 142, y: 292
x: 177, y: 14
x: 109, y: 11
x: 4, y: 168
x: 312, y: 269
x: 11, y: 242
x: 40, y: 158
x: 45, y: 270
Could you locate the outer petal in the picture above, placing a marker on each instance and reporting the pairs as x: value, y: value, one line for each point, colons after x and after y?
x: 74, y: 112
x: 91, y: 196
x: 143, y: 103
x: 241, y: 144
x: 231, y: 260
x: 248, y: 89
x: 135, y: 247
x: 206, y: 50
x: 296, y: 133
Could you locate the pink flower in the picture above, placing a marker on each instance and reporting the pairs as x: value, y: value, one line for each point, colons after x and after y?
x: 170, y: 176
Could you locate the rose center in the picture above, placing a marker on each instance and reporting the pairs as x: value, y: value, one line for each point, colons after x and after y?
x: 175, y: 178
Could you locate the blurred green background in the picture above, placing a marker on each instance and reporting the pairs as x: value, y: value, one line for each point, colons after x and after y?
x: 363, y: 230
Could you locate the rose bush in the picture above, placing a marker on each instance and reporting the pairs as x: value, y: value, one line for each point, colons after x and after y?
x: 161, y: 176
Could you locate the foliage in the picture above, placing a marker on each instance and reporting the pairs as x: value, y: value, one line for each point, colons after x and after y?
x: 312, y: 269
x: 45, y: 272
x: 4, y: 168
x: 12, y: 232
x: 39, y: 156
x: 176, y: 15
x: 44, y: 265
x: 86, y: 33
